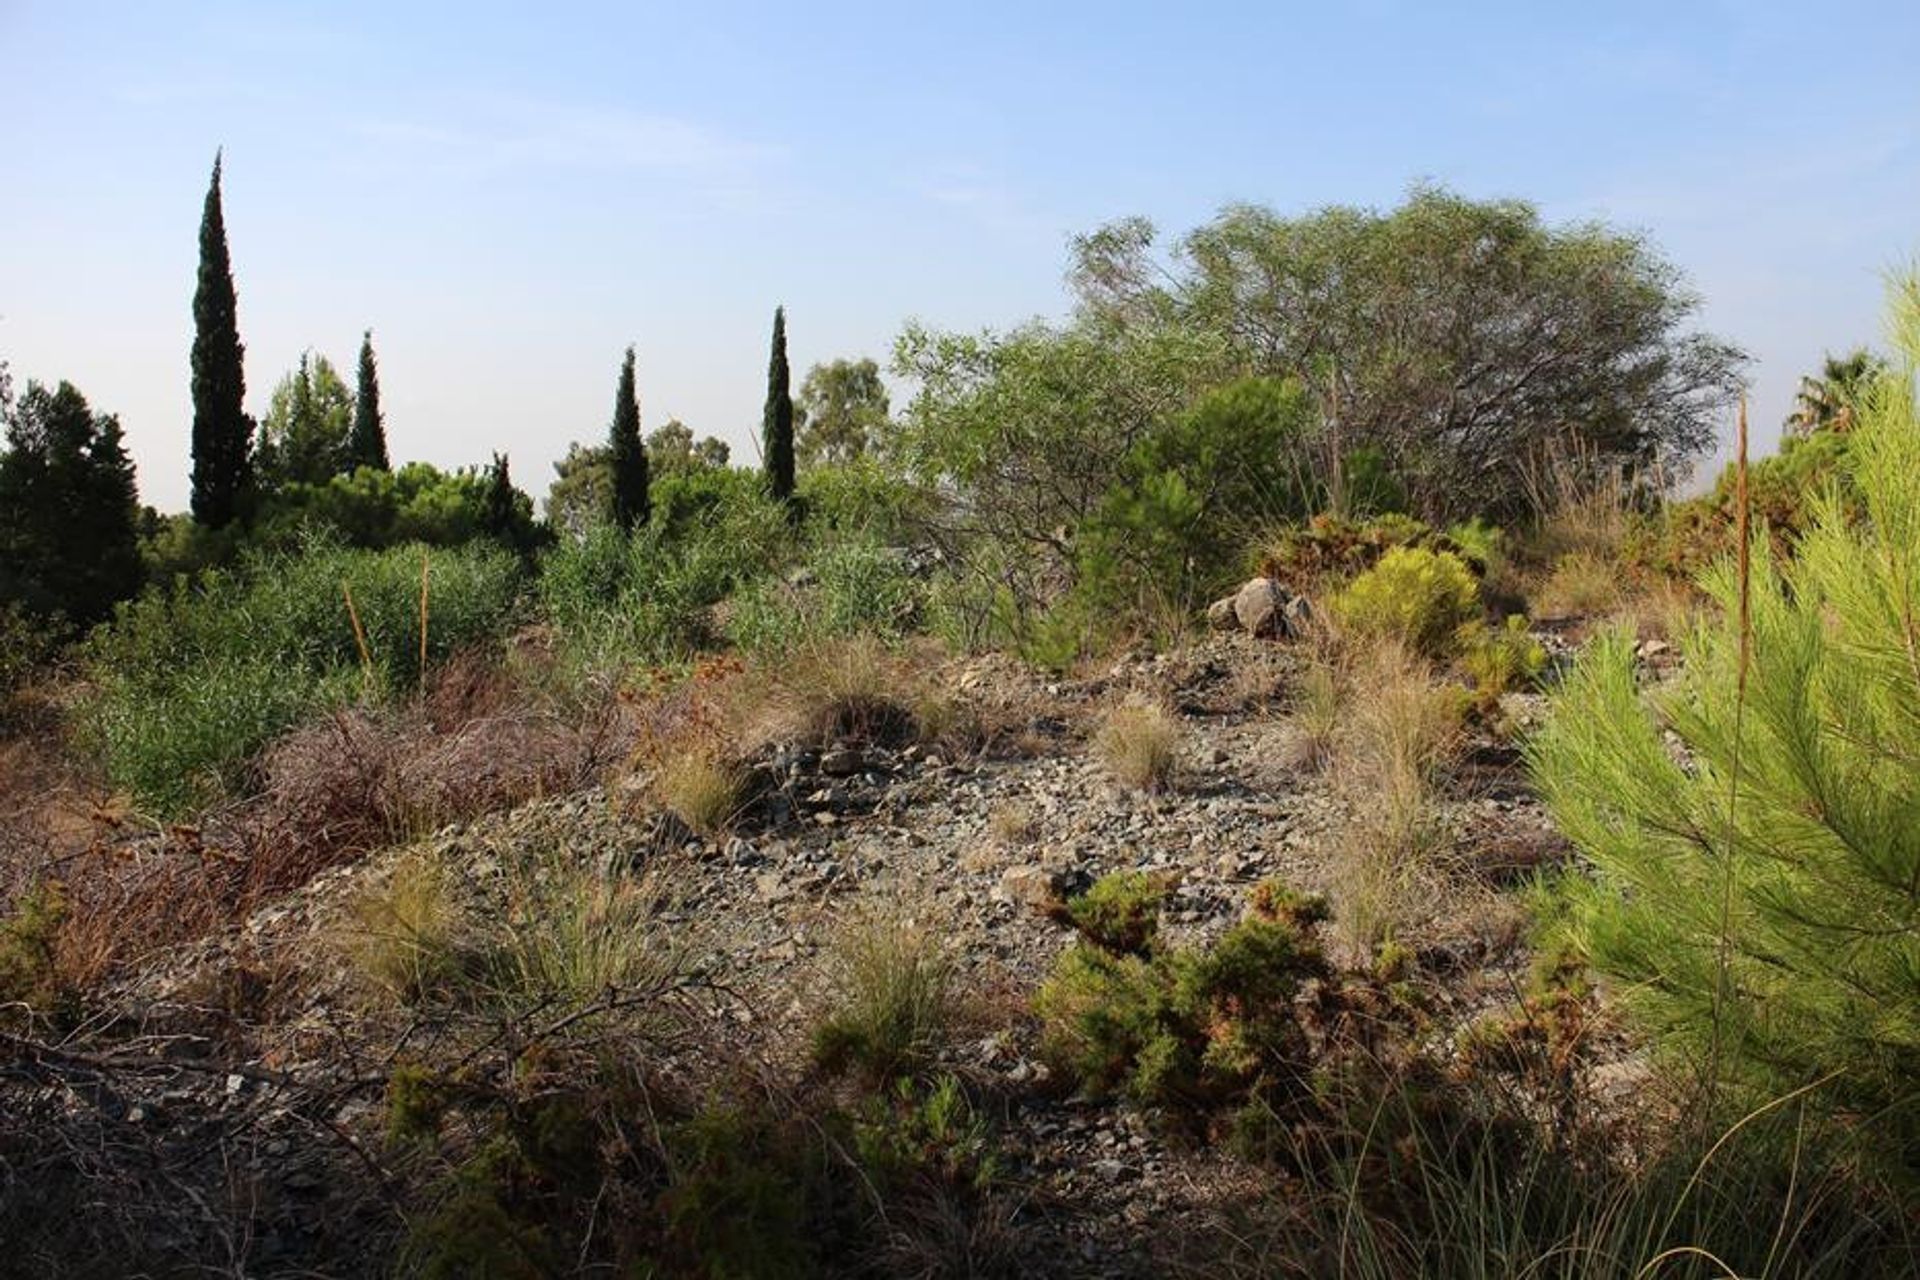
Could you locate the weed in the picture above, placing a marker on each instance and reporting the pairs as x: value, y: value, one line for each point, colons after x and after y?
x: 892, y: 1004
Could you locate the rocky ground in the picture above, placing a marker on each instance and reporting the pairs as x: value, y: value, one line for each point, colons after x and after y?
x: 246, y: 1066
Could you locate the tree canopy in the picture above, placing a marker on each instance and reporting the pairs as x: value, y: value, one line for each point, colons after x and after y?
x: 776, y: 423
x: 367, y: 443
x: 307, y: 436
x: 68, y: 542
x: 1466, y: 340
x: 841, y: 412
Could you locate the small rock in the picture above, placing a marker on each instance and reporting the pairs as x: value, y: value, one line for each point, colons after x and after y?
x: 843, y: 763
x: 1032, y: 886
x: 1220, y: 615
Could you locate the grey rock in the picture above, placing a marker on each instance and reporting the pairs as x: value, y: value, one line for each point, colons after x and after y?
x: 1260, y: 606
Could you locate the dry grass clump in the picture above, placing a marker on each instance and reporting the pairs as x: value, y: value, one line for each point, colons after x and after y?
x: 1012, y: 824
x: 573, y: 935
x: 1581, y: 585
x: 404, y: 936
x: 892, y: 1003
x: 1315, y: 718
x: 1401, y: 726
x: 1138, y: 743
x: 702, y: 789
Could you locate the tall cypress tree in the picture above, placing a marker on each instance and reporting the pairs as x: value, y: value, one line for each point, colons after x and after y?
x: 776, y: 425
x: 222, y: 432
x: 628, y: 455
x: 367, y: 442
x: 498, y: 510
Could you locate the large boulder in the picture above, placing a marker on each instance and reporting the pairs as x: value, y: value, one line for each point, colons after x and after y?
x: 1261, y: 608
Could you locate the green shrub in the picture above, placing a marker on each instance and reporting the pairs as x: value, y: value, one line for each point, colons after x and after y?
x: 1120, y: 912
x: 1190, y: 1029
x: 191, y: 680
x: 643, y: 599
x: 30, y: 972
x: 1756, y: 899
x: 854, y: 587
x: 1498, y: 658
x: 1415, y: 595
x: 26, y: 643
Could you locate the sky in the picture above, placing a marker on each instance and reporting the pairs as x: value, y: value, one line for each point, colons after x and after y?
x: 508, y: 195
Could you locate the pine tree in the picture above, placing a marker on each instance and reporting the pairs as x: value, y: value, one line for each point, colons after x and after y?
x: 628, y: 456
x: 222, y: 432
x: 68, y: 509
x: 367, y: 444
x: 776, y: 426
x: 1755, y: 897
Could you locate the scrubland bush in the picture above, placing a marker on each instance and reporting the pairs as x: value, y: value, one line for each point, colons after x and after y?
x: 191, y: 681
x: 1417, y: 596
x: 1194, y: 1030
x: 405, y: 934
x: 1499, y: 658
x: 1316, y: 714
x: 620, y: 601
x: 1138, y: 742
x: 1754, y: 897
x: 852, y: 588
x: 1581, y: 585
x: 1120, y: 912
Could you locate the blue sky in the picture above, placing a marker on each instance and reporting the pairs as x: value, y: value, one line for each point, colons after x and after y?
x: 509, y: 199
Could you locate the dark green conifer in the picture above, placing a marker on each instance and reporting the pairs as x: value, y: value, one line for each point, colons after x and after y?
x: 776, y: 426
x: 367, y: 442
x: 628, y: 455
x: 497, y: 513
x: 222, y: 432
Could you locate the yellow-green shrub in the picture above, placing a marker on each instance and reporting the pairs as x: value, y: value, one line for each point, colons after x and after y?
x: 1419, y: 596
x: 1497, y: 658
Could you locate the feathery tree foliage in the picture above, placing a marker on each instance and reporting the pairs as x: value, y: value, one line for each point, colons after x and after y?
x: 842, y: 411
x: 671, y: 448
x: 1759, y: 901
x: 68, y: 543
x: 500, y: 513
x: 776, y: 424
x: 627, y: 455
x: 367, y: 444
x: 222, y: 432
x: 1466, y: 340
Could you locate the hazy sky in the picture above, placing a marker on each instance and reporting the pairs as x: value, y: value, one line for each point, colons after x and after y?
x: 507, y: 199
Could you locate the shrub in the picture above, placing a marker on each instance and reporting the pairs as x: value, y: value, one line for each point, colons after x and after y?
x: 854, y: 588
x: 191, y: 681
x: 892, y: 1004
x: 1120, y: 912
x: 1188, y: 1029
x: 1138, y: 742
x: 1417, y: 596
x: 1498, y: 658
x: 31, y: 972
x: 1755, y: 899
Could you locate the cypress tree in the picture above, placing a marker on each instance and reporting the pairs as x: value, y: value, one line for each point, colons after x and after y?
x: 367, y: 443
x: 222, y: 432
x: 776, y: 425
x: 627, y: 455
x: 497, y: 510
